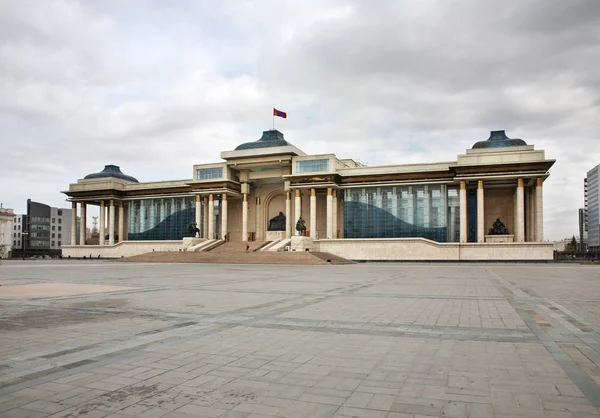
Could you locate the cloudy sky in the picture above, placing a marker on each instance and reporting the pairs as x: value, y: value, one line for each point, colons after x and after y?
x: 156, y: 86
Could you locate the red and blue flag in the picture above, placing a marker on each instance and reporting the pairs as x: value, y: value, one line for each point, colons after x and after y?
x: 279, y: 113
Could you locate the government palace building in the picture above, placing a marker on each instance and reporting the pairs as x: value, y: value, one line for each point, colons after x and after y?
x: 485, y: 205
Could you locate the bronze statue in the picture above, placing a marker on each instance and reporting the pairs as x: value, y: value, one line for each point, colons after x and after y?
x: 300, y: 226
x: 277, y: 223
x: 194, y: 230
x: 498, y: 228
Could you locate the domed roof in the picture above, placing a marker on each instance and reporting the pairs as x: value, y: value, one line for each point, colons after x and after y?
x: 498, y: 139
x: 272, y: 138
x: 111, y: 171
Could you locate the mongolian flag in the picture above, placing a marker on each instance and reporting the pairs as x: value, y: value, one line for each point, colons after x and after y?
x: 279, y: 113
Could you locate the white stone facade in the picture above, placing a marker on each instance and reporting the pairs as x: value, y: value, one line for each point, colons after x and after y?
x: 450, y: 203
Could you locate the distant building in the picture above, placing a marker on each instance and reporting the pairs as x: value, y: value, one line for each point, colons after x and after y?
x: 592, y: 200
x: 6, y: 226
x: 583, y: 229
x: 43, y: 231
x: 19, y: 222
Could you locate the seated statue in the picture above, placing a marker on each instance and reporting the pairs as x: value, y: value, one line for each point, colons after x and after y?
x: 277, y: 223
x: 498, y: 228
x: 301, y: 227
x: 194, y: 230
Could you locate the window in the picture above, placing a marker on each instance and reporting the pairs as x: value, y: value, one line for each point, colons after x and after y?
x: 15, y: 235
x: 53, y: 235
x: 53, y: 220
x: 19, y: 228
x: 59, y: 243
x: 312, y: 165
x: 53, y: 227
x: 59, y: 227
x: 59, y: 221
x: 15, y: 228
x: 59, y: 213
x: 19, y: 243
x: 53, y: 244
x: 209, y: 173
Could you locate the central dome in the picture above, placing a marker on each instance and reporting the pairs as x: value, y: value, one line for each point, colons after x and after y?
x: 272, y: 138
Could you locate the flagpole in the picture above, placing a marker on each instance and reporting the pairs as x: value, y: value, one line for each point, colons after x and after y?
x: 273, y: 113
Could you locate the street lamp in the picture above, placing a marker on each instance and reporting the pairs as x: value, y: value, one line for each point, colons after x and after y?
x: 24, y: 236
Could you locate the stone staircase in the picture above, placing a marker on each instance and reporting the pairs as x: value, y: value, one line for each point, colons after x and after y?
x: 235, y: 253
x: 234, y: 247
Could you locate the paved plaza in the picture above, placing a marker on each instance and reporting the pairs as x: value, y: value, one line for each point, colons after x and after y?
x: 121, y: 340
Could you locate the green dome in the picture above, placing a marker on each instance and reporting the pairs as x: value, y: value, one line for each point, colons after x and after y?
x: 269, y: 139
x: 498, y: 139
x: 111, y: 171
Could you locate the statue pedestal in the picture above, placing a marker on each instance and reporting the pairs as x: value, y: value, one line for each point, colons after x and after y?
x: 302, y: 243
x: 499, y: 238
x: 275, y: 235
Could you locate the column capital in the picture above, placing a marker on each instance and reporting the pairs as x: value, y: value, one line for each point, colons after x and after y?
x: 480, y: 184
x: 74, y: 205
x: 313, y: 192
x: 297, y: 192
x: 329, y: 191
x: 245, y: 197
x: 540, y: 181
x: 288, y: 195
x: 210, y: 197
x: 121, y: 203
x: 519, y: 182
x: 112, y: 202
x: 463, y: 185
x: 335, y: 193
x: 224, y: 197
x: 197, y: 198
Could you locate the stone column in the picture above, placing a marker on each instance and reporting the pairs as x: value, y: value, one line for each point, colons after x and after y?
x: 520, y: 235
x: 288, y: 214
x: 313, y: 213
x: 297, y: 208
x: 111, y: 223
x: 198, y: 211
x: 335, y: 214
x: 463, y: 212
x: 245, y: 217
x: 224, y: 216
x: 426, y: 207
x: 82, y: 224
x: 410, y: 206
x: 329, y: 213
x: 480, y: 214
x: 142, y: 216
x: 102, y: 222
x: 121, y: 222
x: 205, y: 219
x: 452, y: 224
x: 73, y: 223
x: 539, y: 211
x: 211, y: 217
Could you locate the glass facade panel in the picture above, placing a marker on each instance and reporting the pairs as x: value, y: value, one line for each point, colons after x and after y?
x: 161, y: 219
x: 312, y: 165
x: 209, y: 173
x: 425, y: 211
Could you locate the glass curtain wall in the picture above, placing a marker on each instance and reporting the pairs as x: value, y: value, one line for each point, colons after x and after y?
x: 162, y: 219
x: 426, y: 211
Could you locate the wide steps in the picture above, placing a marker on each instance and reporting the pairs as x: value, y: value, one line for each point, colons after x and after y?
x: 243, y: 257
x: 237, y: 247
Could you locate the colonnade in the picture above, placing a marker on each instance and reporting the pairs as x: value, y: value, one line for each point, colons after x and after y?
x: 119, y: 225
x: 535, y: 216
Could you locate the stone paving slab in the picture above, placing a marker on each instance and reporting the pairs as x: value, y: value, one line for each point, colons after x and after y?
x: 374, y: 340
x: 50, y: 290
